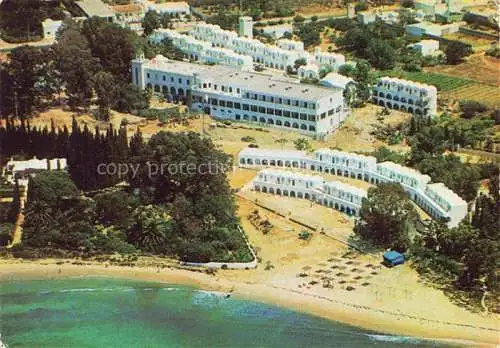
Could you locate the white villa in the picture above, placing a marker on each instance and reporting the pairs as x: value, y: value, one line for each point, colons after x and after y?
x: 335, y: 80
x: 309, y: 71
x: 278, y: 31
x: 435, y: 198
x: 426, y: 47
x: 419, y: 29
x: 408, y: 96
x: 290, y: 45
x: 231, y: 94
x: 333, y: 194
x: 22, y: 170
x: 50, y: 28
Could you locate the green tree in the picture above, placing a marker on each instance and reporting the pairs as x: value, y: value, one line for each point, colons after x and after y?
x: 115, y: 208
x: 113, y: 45
x: 386, y: 217
x: 77, y: 65
x: 131, y: 99
x: 15, y: 205
x: 381, y: 55
x: 456, y: 52
x: 471, y: 108
x: 50, y: 186
x: 150, y: 22
x: 302, y: 144
x: 106, y: 90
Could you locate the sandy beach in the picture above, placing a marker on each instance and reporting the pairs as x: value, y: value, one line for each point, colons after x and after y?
x: 366, y: 317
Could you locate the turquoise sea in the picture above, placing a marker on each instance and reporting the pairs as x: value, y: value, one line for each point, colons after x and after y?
x: 101, y: 312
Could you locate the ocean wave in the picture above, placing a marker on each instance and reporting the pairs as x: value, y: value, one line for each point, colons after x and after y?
x: 394, y: 339
x: 212, y: 293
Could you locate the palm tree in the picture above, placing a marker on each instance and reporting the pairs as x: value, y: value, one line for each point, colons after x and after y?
x: 38, y: 214
x: 150, y: 228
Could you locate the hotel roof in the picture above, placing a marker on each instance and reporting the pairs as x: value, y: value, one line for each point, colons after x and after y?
x: 346, y: 187
x: 448, y: 195
x: 405, y: 171
x: 267, y: 84
x: 407, y: 82
x: 288, y: 174
x: 96, y: 8
x: 292, y: 154
x: 338, y: 153
x: 130, y: 8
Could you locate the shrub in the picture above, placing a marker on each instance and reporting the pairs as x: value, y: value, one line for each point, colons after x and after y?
x: 253, y: 146
x: 305, y: 235
x: 248, y: 139
x: 493, y: 52
x: 299, y: 19
x: 407, y: 3
x: 471, y: 108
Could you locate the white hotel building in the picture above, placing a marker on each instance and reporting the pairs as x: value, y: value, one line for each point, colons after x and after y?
x: 279, y: 56
x: 231, y: 94
x: 436, y: 199
x: 333, y: 194
x: 408, y: 96
x: 203, y: 51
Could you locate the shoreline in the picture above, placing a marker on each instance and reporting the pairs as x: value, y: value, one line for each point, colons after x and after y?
x: 368, y: 318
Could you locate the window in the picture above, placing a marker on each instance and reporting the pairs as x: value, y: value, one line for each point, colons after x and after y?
x: 171, y: 79
x: 286, y: 113
x: 180, y: 80
x: 262, y: 109
x: 323, y: 115
x: 230, y: 89
x: 330, y: 112
x: 287, y: 102
x: 311, y: 117
x: 204, y: 85
x: 214, y: 101
x: 296, y: 103
x: 245, y: 107
x: 188, y: 82
x: 147, y: 75
x: 280, y: 101
x: 278, y: 112
x: 254, y: 108
x: 164, y: 78
x: 270, y: 111
x: 295, y: 115
x: 223, y: 88
x: 303, y: 116
x: 237, y: 106
x: 222, y: 102
x: 237, y: 90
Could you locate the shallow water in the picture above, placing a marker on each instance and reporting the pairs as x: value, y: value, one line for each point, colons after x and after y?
x: 101, y: 312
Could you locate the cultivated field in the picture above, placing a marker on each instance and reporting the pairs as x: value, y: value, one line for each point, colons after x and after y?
x: 487, y: 94
x: 478, y: 67
x: 478, y: 44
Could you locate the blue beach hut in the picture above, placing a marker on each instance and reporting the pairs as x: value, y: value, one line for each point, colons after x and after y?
x: 393, y: 258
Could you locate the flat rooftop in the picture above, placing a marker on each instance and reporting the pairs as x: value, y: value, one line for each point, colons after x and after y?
x: 95, y: 8
x: 285, y: 154
x: 268, y: 84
